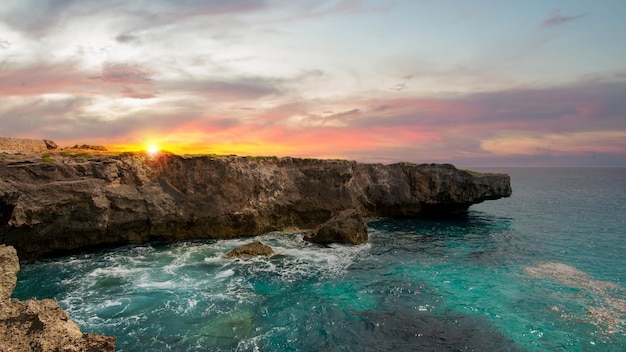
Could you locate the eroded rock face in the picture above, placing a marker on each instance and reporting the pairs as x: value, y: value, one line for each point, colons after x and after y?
x: 9, y: 266
x: 252, y: 249
x: 38, y: 325
x: 22, y: 145
x: 55, y: 207
x: 349, y: 226
x: 50, y: 144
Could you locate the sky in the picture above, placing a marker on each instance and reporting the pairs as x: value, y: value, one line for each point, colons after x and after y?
x: 473, y: 83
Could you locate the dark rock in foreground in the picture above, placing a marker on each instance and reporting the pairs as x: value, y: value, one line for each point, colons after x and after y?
x: 349, y: 227
x: 253, y: 249
x: 51, y: 208
x: 39, y: 325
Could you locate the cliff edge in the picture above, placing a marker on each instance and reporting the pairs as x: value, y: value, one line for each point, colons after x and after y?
x: 64, y: 203
x: 38, y: 325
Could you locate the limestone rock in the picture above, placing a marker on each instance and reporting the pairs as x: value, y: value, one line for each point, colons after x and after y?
x: 349, y: 226
x: 22, y: 145
x: 50, y: 208
x: 255, y: 248
x: 9, y: 266
x: 39, y: 325
x: 89, y: 147
x: 50, y: 144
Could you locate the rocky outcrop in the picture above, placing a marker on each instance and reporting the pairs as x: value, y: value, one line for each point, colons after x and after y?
x: 21, y: 145
x: 9, y: 266
x: 252, y: 249
x: 349, y: 226
x: 38, y: 325
x: 89, y: 147
x: 47, y: 208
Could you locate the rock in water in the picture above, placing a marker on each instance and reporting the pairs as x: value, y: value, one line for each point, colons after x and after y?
x: 255, y: 248
x: 349, y: 226
x: 39, y: 325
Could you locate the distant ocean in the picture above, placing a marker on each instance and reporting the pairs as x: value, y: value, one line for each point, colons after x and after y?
x: 544, y: 270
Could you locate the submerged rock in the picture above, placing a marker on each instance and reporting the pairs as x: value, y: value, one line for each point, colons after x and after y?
x: 349, y: 226
x: 39, y: 325
x: 255, y: 248
x: 607, y: 306
x: 50, y: 208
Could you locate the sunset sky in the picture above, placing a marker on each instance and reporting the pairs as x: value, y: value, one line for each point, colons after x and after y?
x: 474, y: 83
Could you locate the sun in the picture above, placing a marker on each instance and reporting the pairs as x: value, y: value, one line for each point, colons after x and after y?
x: 153, y: 149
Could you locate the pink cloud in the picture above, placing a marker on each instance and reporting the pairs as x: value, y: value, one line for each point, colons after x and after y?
x: 124, y: 73
x: 555, y: 19
x: 39, y: 79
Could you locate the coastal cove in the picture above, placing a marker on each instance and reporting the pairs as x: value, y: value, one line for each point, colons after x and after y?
x: 519, y: 274
x: 540, y: 269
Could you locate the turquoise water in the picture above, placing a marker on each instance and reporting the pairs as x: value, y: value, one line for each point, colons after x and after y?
x: 543, y: 270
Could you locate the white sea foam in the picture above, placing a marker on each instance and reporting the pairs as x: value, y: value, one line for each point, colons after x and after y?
x: 225, y: 274
x: 219, y: 259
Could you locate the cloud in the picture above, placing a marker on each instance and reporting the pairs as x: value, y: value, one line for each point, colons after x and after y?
x: 134, y: 80
x: 126, y: 38
x: 555, y: 19
x: 37, y: 17
x: 32, y: 116
x: 39, y: 78
x: 296, y: 78
x: 228, y: 88
x: 124, y: 73
x: 472, y: 129
x: 564, y: 120
x: 530, y: 143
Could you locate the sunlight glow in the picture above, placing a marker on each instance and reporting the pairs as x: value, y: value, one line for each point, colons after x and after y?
x: 153, y: 149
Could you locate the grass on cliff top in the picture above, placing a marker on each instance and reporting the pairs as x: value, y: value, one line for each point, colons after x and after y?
x: 472, y: 172
x: 84, y: 155
x: 47, y: 158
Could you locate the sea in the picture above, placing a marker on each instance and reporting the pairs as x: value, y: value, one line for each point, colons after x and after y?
x: 543, y: 270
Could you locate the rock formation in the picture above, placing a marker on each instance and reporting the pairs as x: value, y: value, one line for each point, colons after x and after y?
x: 252, y: 249
x: 349, y: 226
x: 49, y: 208
x: 38, y: 325
x: 90, y: 147
x: 21, y: 145
x: 9, y: 266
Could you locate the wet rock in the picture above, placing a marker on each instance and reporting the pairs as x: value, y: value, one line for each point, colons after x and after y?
x: 255, y: 248
x: 38, y: 325
x: 349, y: 226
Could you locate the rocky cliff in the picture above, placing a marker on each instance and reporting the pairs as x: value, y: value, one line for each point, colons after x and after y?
x: 38, y: 325
x: 21, y: 145
x: 48, y: 208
